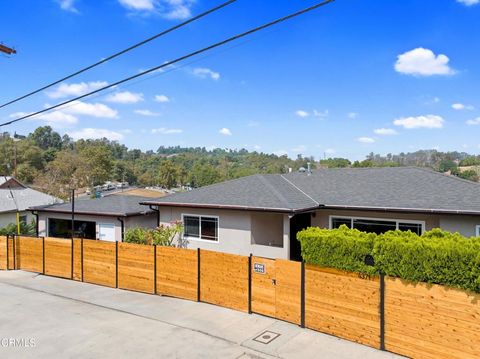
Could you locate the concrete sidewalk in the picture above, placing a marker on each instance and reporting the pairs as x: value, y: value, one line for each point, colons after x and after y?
x: 67, y: 319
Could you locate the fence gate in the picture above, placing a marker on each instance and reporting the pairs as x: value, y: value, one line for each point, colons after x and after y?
x: 276, y: 288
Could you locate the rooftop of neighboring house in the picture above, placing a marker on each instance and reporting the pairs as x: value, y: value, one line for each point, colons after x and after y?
x: 115, y: 206
x: 15, y: 196
x: 410, y: 189
x: 140, y: 192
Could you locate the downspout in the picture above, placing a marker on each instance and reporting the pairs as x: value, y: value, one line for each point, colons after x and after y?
x: 122, y: 226
x: 155, y: 209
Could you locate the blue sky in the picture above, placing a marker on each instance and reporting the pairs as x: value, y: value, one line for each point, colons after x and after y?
x: 350, y: 78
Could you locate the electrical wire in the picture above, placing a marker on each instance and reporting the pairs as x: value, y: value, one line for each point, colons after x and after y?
x: 176, y: 27
x: 172, y: 62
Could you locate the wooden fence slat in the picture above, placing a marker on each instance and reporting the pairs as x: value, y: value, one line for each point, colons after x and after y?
x: 288, y: 295
x: 329, y: 309
x: 224, y: 280
x: 177, y: 272
x: 3, y: 252
x: 435, y: 321
x: 29, y: 254
x: 58, y: 252
x: 99, y: 262
x: 135, y: 267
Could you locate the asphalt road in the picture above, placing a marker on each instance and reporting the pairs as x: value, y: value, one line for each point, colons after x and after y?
x: 46, y: 317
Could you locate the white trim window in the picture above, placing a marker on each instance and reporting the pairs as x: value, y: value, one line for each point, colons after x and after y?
x: 377, y: 225
x: 477, y: 230
x: 202, y: 228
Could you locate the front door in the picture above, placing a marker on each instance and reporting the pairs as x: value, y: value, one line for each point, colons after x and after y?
x: 276, y: 288
x: 298, y: 223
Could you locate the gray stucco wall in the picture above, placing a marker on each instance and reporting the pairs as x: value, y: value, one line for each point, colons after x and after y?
x: 235, y: 231
x: 11, y: 217
x: 464, y: 225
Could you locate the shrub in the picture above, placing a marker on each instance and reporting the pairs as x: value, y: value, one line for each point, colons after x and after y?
x: 341, y: 248
x: 163, y: 235
x: 437, y: 256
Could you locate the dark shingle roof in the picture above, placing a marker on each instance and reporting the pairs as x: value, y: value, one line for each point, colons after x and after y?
x: 396, y: 188
x: 119, y: 206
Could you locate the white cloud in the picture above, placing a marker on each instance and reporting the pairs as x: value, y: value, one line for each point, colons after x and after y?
x: 365, y: 140
x: 170, y: 9
x: 56, y: 118
x: 352, y: 115
x: 257, y: 147
x: 147, y: 113
x: 89, y: 109
x: 385, y: 131
x: 330, y: 151
x: 76, y: 89
x: 225, y: 131
x: 162, y: 98
x: 428, y: 121
x: 469, y: 2
x: 423, y: 62
x: 461, y: 106
x: 474, y: 122
x: 67, y: 5
x: 299, y: 149
x: 166, y: 131
x: 302, y: 113
x: 320, y: 114
x: 125, y: 97
x: 204, y: 73
x: 96, y: 133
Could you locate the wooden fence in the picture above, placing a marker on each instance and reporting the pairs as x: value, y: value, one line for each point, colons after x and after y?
x: 416, y: 320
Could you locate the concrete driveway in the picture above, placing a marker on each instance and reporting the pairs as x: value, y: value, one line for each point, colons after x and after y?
x: 46, y: 317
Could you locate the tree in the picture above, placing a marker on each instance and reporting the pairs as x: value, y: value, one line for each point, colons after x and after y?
x: 167, y: 174
x: 44, y: 137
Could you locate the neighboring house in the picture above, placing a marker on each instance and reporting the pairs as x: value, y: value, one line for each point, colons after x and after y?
x: 105, y: 218
x: 16, y: 197
x: 262, y: 214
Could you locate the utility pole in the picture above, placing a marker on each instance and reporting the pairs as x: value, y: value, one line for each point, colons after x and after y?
x: 7, y: 50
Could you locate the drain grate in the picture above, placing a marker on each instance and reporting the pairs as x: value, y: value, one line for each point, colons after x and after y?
x: 266, y: 337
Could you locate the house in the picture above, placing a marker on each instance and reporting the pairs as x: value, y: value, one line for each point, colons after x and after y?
x: 105, y: 218
x: 15, y: 198
x: 261, y: 214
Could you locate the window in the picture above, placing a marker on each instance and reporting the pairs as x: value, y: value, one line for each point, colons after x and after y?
x: 62, y: 228
x: 23, y: 220
x: 378, y: 226
x: 200, y: 227
x: 477, y: 231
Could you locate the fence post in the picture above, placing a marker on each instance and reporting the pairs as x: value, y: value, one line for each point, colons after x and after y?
x: 302, y: 295
x: 198, y: 274
x: 382, y: 311
x: 71, y: 259
x: 116, y: 264
x: 14, y: 252
x: 154, y: 269
x: 81, y: 255
x: 43, y: 255
x: 8, y: 264
x: 250, y: 284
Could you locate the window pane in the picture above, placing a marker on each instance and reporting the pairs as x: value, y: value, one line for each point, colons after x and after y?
x: 414, y: 227
x: 369, y: 226
x: 191, y: 226
x: 209, y: 228
x: 337, y: 222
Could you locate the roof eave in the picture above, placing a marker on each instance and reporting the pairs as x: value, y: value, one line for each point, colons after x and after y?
x: 221, y: 206
x: 402, y: 209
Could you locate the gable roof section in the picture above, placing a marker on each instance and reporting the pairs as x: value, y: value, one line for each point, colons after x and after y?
x: 23, y: 198
x: 394, y: 188
x: 257, y: 192
x: 7, y: 182
x: 115, y: 206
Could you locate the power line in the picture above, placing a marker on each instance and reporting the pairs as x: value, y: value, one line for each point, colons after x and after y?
x: 120, y: 52
x: 169, y: 63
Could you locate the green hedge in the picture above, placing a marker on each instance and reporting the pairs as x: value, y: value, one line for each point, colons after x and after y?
x: 435, y: 257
